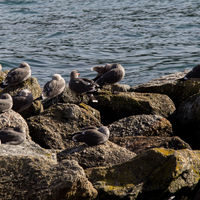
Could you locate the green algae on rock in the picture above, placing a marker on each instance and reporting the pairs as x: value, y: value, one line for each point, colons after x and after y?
x: 123, y: 104
x: 177, y: 90
x: 155, y: 174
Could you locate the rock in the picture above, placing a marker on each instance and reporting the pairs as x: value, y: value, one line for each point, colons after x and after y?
x: 2, y: 77
x: 93, y: 111
x: 54, y: 127
x: 35, y: 174
x: 116, y: 106
x: 101, y: 155
x: 156, y: 174
x: 27, y: 149
x: 178, y: 91
x: 13, y: 119
x: 187, y: 120
x: 139, y: 144
x: 68, y: 96
x: 117, y: 87
x: 33, y: 85
x: 146, y: 125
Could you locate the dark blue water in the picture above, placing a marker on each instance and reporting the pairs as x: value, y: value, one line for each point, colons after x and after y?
x: 149, y: 38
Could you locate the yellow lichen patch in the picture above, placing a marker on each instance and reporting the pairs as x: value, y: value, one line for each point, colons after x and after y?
x: 165, y: 152
x: 118, y: 188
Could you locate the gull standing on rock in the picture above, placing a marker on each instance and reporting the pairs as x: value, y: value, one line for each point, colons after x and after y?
x: 53, y: 87
x: 6, y: 102
x: 22, y: 100
x: 92, y: 135
x: 17, y: 75
x: 194, y: 74
x: 109, y: 74
x: 81, y: 85
x: 12, y: 136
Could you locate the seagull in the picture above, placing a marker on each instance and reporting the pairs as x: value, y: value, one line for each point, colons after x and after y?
x: 109, y: 74
x: 194, y: 74
x: 6, y: 102
x: 81, y: 85
x: 92, y: 135
x: 22, y: 100
x: 52, y: 88
x: 12, y: 136
x: 17, y: 75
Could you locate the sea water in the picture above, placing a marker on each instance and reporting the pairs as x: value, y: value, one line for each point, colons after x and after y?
x: 150, y: 38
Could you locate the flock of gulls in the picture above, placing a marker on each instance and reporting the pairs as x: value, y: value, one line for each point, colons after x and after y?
x: 108, y: 74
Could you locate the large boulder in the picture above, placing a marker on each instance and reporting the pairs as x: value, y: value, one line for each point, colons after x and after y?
x: 156, y: 174
x: 33, y: 85
x: 187, y: 120
x: 146, y: 125
x: 101, y: 155
x: 13, y: 119
x: 54, y: 127
x: 177, y: 90
x: 114, y: 106
x: 27, y: 173
x: 139, y: 144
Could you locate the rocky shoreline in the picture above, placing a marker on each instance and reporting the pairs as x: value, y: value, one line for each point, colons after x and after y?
x: 152, y: 153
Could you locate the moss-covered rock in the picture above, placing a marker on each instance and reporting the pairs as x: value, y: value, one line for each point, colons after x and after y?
x: 93, y: 111
x: 146, y: 125
x: 33, y: 173
x: 107, y: 154
x: 177, y: 90
x: 54, y: 127
x: 156, y: 174
x: 33, y: 85
x: 123, y: 104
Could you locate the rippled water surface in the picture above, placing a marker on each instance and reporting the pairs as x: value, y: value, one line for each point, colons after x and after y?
x: 149, y: 38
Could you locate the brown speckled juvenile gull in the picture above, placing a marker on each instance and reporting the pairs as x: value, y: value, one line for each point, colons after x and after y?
x: 6, y: 102
x: 12, y: 136
x: 81, y: 85
x: 194, y: 74
x: 17, y: 75
x: 109, y: 74
x: 22, y: 100
x: 53, y: 87
x: 92, y: 135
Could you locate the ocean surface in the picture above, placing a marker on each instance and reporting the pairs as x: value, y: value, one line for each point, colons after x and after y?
x: 150, y: 38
